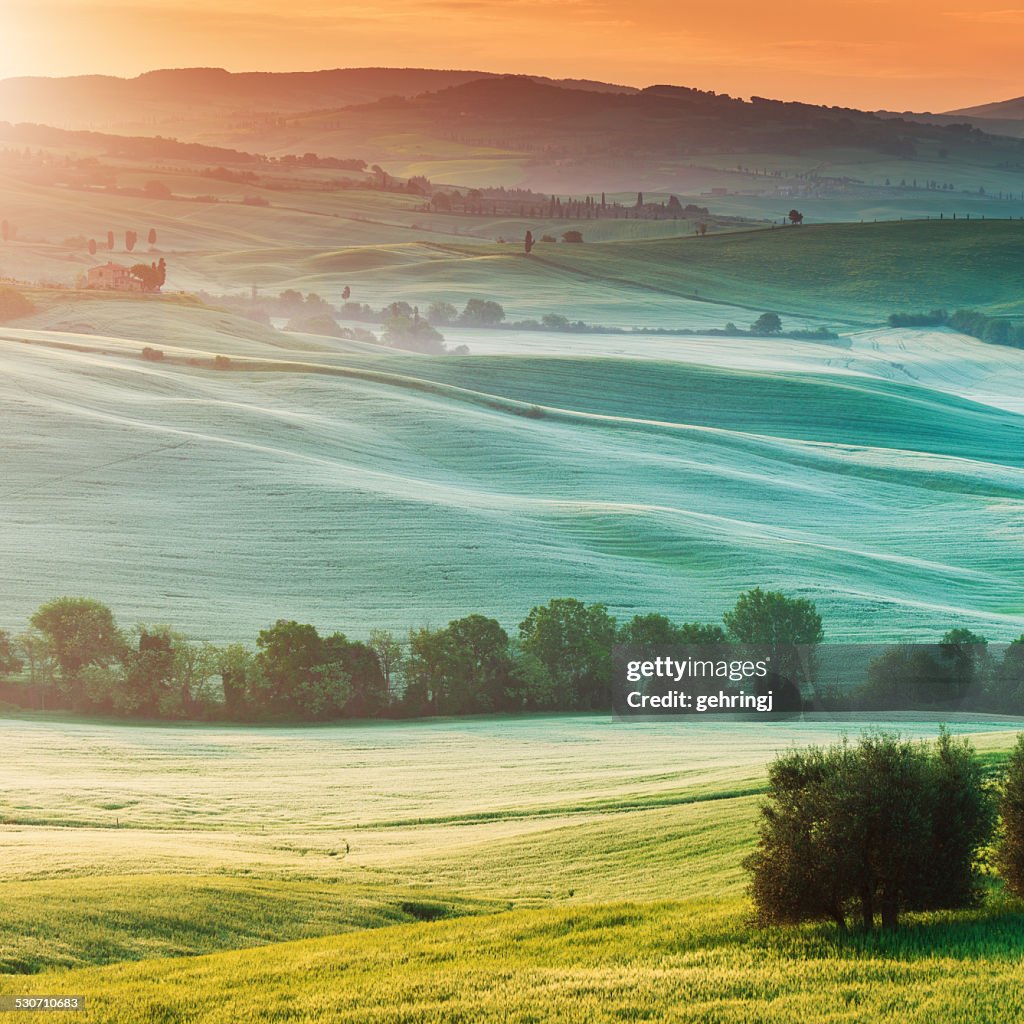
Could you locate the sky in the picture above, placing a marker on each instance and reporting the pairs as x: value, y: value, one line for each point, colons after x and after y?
x: 896, y: 54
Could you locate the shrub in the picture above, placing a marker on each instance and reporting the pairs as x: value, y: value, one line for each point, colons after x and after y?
x: 881, y: 827
x: 316, y: 323
x: 153, y: 355
x: 1010, y: 854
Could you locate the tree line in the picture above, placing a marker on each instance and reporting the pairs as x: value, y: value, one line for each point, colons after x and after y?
x: 74, y: 656
x: 993, y: 329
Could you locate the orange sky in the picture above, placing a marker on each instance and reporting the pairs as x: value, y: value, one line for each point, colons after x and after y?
x: 901, y: 54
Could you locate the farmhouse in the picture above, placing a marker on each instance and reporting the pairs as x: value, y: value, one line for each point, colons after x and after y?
x: 113, y: 277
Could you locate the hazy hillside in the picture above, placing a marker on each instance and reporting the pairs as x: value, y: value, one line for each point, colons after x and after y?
x: 362, y: 491
x: 195, y: 99
x: 477, y: 130
x: 1007, y: 110
x: 587, y: 137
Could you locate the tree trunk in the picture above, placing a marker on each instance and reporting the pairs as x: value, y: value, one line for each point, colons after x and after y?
x: 867, y: 909
x: 837, y: 915
x: 890, y: 911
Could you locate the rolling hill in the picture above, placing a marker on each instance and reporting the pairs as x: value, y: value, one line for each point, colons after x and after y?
x: 197, y: 99
x: 1003, y: 110
x: 357, y: 490
x: 558, y: 136
x: 390, y: 871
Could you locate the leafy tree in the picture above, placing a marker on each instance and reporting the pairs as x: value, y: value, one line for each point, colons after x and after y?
x: 10, y: 663
x: 346, y: 293
x: 42, y: 665
x: 110, y: 240
x: 92, y: 246
x: 301, y: 674
x: 159, y: 673
x: 152, y: 275
x: 462, y: 669
x: 878, y: 828
x: 572, y: 236
x: 482, y: 313
x: 795, y: 217
x: 799, y: 871
x: 554, y: 322
x: 528, y: 243
x: 130, y: 240
x: 1010, y: 853
x: 425, y: 666
x: 440, y: 314
x: 776, y: 625
x: 388, y: 649
x: 573, y: 642
x: 530, y: 686
x: 79, y: 632
x: 414, y: 334
x: 967, y: 654
x: 238, y: 674
x: 701, y: 633
x: 649, y: 630
x: 962, y: 820
x: 1006, y: 690
x: 479, y: 665
x: 767, y: 323
x: 151, y: 237
x: 367, y: 689
x: 904, y: 676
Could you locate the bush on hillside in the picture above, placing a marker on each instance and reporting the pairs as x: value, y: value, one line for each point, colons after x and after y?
x: 875, y: 829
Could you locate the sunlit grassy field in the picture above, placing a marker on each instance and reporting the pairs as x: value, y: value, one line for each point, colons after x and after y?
x: 548, y: 868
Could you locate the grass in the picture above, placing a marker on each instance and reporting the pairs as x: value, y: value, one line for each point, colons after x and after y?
x: 846, y: 271
x: 690, y: 961
x: 603, y: 885
x: 73, y: 921
x: 851, y: 469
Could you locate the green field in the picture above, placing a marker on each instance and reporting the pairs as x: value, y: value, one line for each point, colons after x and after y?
x: 356, y: 487
x: 412, y: 871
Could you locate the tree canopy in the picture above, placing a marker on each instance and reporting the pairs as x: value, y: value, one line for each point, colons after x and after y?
x: 877, y: 828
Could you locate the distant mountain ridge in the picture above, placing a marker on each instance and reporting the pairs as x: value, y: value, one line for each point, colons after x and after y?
x: 167, y: 96
x: 1008, y: 110
x: 673, y: 120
